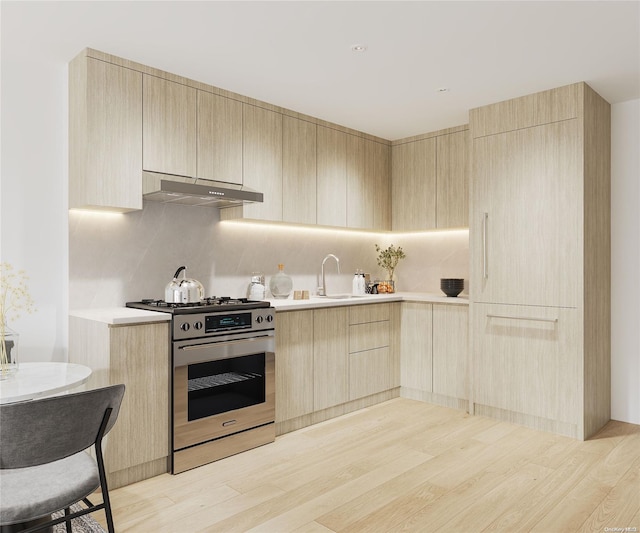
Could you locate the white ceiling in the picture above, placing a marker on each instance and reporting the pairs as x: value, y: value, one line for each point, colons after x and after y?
x: 298, y: 54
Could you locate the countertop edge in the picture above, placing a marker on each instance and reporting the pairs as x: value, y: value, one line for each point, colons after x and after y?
x: 116, y: 316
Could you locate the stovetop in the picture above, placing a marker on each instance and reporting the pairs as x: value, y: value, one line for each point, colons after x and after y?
x: 211, y: 304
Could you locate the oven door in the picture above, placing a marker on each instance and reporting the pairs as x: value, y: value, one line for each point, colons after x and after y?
x: 222, y: 387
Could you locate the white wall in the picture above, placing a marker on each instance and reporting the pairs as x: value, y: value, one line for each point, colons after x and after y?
x: 625, y: 261
x: 34, y: 223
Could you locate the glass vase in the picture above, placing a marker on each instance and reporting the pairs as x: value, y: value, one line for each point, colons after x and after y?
x: 8, y: 353
x: 280, y: 284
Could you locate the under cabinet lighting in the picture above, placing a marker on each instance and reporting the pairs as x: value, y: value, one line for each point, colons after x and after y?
x: 96, y: 213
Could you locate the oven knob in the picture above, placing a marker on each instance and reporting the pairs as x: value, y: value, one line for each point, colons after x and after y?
x: 184, y: 327
x: 269, y: 318
x: 259, y: 320
x: 198, y: 325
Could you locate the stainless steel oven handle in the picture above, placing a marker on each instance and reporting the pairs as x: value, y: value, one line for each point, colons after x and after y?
x: 212, y: 351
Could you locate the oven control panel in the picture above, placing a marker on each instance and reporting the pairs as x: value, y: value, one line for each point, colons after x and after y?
x: 191, y: 326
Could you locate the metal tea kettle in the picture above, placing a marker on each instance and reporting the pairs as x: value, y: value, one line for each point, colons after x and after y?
x: 183, y: 291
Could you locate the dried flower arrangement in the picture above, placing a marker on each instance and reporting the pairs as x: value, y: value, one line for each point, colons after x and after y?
x: 14, y: 298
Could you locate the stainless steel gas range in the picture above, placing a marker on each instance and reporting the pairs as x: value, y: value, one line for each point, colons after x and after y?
x: 223, y: 377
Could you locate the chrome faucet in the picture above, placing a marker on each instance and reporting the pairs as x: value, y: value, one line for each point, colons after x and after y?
x: 322, y: 291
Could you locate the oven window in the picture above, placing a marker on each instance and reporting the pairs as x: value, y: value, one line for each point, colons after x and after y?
x: 220, y: 386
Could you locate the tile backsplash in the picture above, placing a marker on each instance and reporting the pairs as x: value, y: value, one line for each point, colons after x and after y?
x: 119, y: 258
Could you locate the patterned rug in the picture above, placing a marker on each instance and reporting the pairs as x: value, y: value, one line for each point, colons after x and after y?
x: 82, y: 524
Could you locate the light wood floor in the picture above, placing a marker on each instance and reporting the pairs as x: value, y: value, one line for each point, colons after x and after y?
x: 401, y: 466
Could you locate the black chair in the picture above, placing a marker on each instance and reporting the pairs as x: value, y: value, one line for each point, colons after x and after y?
x: 44, y: 467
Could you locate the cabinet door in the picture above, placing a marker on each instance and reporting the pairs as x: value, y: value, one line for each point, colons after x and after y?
x: 169, y: 127
x: 298, y: 171
x: 294, y: 364
x: 525, y: 245
x: 452, y: 210
x: 219, y: 140
x: 105, y: 136
x: 526, y: 360
x: 416, y: 346
x: 140, y: 359
x: 413, y: 170
x: 379, y: 167
x: 330, y: 357
x: 262, y: 161
x: 359, y: 206
x: 331, y: 177
x: 451, y: 350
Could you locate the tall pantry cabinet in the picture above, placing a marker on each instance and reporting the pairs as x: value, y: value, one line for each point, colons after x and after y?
x: 540, y: 260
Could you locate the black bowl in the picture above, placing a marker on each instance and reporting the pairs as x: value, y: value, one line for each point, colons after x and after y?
x: 450, y: 282
x: 452, y: 292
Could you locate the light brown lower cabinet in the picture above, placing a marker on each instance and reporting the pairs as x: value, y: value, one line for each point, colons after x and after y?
x: 434, y: 353
x: 294, y: 364
x: 330, y: 357
x: 334, y: 360
x: 526, y: 365
x: 138, y: 356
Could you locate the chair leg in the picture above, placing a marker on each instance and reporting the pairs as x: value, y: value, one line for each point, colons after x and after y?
x: 67, y: 522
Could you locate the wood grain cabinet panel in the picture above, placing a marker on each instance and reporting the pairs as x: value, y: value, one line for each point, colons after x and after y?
x: 451, y: 351
x: 105, y: 136
x: 137, y: 355
x: 540, y: 244
x: 330, y: 357
x: 527, y: 216
x: 416, y: 364
x: 140, y: 360
x: 526, y: 361
x: 413, y: 170
x: 331, y: 184
x: 373, y: 349
x: 219, y: 138
x: 298, y: 171
x: 169, y: 127
x: 294, y: 364
x: 452, y: 180
x: 262, y: 160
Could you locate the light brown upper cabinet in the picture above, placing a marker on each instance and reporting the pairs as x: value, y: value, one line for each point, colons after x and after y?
x: 298, y: 171
x: 331, y: 184
x: 262, y: 161
x: 105, y: 135
x: 430, y: 181
x: 368, y: 184
x: 452, y: 180
x: 219, y: 138
x: 169, y: 126
x: 413, y: 171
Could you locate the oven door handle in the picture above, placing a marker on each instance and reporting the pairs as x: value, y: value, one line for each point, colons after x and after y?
x: 206, y: 352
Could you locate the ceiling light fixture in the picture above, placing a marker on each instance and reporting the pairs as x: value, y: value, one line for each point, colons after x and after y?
x: 359, y: 48
x: 442, y: 89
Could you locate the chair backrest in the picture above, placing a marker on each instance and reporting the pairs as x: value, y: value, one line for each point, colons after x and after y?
x: 41, y: 431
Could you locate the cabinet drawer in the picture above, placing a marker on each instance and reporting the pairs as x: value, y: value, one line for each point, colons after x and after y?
x: 369, y: 372
x: 526, y: 360
x: 368, y: 336
x: 359, y: 314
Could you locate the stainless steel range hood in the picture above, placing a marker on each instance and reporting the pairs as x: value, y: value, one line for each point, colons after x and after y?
x: 170, y: 189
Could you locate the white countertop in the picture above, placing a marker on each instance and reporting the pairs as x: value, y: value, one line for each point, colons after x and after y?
x: 316, y: 302
x: 126, y: 315
x: 121, y: 315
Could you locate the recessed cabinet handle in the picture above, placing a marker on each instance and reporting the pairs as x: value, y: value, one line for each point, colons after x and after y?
x: 534, y: 319
x: 485, y: 217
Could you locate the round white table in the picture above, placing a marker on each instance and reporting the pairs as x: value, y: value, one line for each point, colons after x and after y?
x: 35, y: 380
